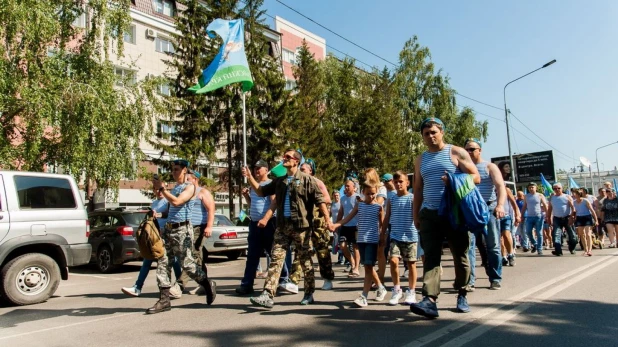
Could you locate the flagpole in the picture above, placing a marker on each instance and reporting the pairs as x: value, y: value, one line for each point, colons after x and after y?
x: 244, y: 133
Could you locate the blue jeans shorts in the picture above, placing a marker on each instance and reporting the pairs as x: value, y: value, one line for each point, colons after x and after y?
x: 368, y: 253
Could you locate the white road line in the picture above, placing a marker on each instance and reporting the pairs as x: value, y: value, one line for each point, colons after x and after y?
x: 68, y: 325
x: 471, y: 318
x: 512, y: 313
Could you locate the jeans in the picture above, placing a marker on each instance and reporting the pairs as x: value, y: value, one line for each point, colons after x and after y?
x: 559, y: 224
x: 493, y: 266
x: 521, y: 231
x: 145, y: 269
x: 260, y: 240
x: 535, y: 223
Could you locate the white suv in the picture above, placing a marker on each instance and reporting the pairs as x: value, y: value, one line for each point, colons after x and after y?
x: 43, y: 230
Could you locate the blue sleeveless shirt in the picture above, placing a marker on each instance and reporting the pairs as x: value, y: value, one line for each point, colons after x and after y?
x: 433, y: 165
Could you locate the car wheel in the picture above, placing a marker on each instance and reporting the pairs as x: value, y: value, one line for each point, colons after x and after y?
x: 233, y: 255
x: 30, y: 279
x: 105, y: 259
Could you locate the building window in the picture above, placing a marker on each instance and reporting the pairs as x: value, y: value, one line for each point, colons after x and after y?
x: 129, y: 35
x: 165, y: 89
x: 288, y: 56
x: 80, y: 20
x: 290, y: 85
x: 165, y: 7
x: 164, y: 45
x: 165, y: 130
x: 124, y: 76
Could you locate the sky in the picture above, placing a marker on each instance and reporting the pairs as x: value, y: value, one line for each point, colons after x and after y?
x: 482, y: 45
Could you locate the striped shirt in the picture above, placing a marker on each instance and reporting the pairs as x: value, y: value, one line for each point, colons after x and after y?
x: 433, y: 165
x: 160, y: 206
x: 287, y: 212
x: 368, y: 222
x: 259, y: 204
x: 348, y: 203
x: 486, y: 187
x: 199, y: 215
x: 401, y: 221
x: 181, y: 213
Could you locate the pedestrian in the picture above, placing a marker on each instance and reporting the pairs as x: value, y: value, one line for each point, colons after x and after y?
x: 493, y: 191
x: 429, y: 184
x: 508, y: 225
x: 585, y: 219
x: 601, y: 230
x: 347, y: 238
x: 534, y: 205
x: 371, y: 175
x: 521, y: 229
x: 202, y: 221
x: 560, y: 210
x: 295, y: 194
x: 159, y: 207
x: 403, y: 238
x: 370, y: 221
x: 335, y: 205
x: 609, y: 214
x: 261, y: 233
x: 177, y: 238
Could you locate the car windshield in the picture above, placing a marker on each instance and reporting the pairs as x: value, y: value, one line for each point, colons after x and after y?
x: 223, y: 221
x: 134, y: 218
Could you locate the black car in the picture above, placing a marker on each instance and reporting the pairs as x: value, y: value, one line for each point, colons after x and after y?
x: 112, y: 236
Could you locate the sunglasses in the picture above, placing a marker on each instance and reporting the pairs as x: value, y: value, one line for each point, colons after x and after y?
x: 471, y: 150
x: 288, y: 157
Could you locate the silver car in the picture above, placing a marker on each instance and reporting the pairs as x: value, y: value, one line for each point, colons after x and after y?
x: 227, y: 238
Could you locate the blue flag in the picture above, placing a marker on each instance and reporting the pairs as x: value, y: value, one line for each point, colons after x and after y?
x: 572, y: 183
x: 230, y: 65
x: 615, y: 187
x: 242, y: 215
x: 547, y: 189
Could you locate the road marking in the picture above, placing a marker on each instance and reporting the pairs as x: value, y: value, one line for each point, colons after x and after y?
x: 475, y: 316
x: 69, y: 325
x: 512, y: 313
x: 103, y: 277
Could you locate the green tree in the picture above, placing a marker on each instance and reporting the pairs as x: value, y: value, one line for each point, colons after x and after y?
x: 60, y: 102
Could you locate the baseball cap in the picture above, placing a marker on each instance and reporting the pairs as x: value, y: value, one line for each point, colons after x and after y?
x: 261, y: 163
x: 181, y: 162
x: 386, y: 177
x: 531, y: 184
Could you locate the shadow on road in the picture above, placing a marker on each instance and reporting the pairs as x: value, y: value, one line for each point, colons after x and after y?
x: 18, y: 316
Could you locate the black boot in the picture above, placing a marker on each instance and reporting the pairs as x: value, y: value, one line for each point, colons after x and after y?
x: 163, y: 304
x: 211, y: 290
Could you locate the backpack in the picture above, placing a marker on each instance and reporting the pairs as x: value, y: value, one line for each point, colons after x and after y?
x: 149, y: 238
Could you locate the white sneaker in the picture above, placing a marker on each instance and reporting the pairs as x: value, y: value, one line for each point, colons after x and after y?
x: 380, y: 293
x: 395, y: 297
x: 406, y: 273
x: 328, y: 285
x: 289, y: 287
x: 175, y: 291
x: 409, y: 297
x: 361, y: 301
x: 132, y: 291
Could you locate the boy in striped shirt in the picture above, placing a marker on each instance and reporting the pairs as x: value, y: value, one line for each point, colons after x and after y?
x: 404, y: 238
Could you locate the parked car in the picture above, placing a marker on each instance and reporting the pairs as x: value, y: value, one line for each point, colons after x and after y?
x: 227, y: 238
x: 112, y: 236
x: 43, y: 231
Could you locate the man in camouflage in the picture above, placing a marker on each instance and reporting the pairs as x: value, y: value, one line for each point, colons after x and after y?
x: 296, y: 195
x: 178, y: 239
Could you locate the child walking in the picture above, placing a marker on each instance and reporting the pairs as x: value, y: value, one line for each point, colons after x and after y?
x: 404, y: 238
x: 370, y: 226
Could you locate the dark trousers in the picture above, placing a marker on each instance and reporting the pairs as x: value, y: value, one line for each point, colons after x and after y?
x: 559, y: 224
x: 260, y: 241
x: 434, y: 229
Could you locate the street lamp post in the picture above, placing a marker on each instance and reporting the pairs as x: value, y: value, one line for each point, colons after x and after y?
x: 597, y: 158
x: 506, y: 116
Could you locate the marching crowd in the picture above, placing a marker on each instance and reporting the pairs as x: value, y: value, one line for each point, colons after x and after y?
x: 376, y: 221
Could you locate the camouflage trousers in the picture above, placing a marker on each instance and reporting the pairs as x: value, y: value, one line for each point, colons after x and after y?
x: 198, y: 254
x: 286, y: 235
x: 178, y: 243
x: 320, y: 237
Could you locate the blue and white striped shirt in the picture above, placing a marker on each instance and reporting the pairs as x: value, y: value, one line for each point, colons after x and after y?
x: 181, y: 213
x: 486, y: 187
x: 401, y: 221
x: 199, y: 214
x: 160, y: 206
x: 286, y: 203
x: 433, y: 165
x: 368, y: 222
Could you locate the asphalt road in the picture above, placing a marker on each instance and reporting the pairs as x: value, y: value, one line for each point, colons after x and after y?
x: 545, y: 301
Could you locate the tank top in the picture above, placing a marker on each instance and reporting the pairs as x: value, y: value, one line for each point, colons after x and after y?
x: 433, y: 165
x: 160, y: 206
x: 334, y: 211
x: 401, y: 221
x: 181, y: 213
x: 199, y: 214
x: 368, y: 222
x: 560, y: 205
x: 348, y: 203
x: 581, y: 209
x: 259, y: 204
x: 533, y: 205
x: 486, y: 187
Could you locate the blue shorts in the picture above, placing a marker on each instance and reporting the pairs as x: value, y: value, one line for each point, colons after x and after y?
x: 368, y: 253
x: 506, y: 223
x: 583, y: 221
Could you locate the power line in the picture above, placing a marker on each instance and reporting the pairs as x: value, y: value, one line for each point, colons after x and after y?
x: 557, y: 150
x: 480, y: 102
x: 481, y: 113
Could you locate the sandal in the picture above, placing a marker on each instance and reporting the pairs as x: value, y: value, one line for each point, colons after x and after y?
x: 261, y: 275
x: 353, y: 274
